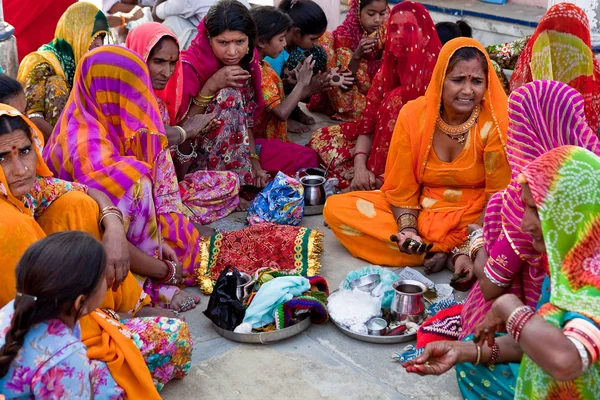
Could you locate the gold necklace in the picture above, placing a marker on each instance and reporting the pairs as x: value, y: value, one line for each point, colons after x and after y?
x: 459, y: 132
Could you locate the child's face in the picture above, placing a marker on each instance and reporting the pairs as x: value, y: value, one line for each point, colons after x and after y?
x: 306, y: 42
x: 275, y: 46
x: 373, y: 15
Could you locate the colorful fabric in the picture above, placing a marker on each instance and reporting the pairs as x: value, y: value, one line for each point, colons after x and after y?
x: 274, y: 156
x: 200, y: 63
x: 75, y: 32
x: 386, y: 95
x: 284, y: 248
x: 142, y: 40
x: 505, y: 56
x: 46, y: 92
x: 280, y: 202
x: 52, y: 364
x: 564, y: 183
x: 286, y: 313
x: 543, y: 115
x: 444, y: 325
x: 363, y: 221
x: 560, y: 49
x: 268, y: 126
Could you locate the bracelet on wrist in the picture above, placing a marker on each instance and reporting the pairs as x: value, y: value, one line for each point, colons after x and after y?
x: 462, y: 250
x: 406, y: 220
x: 105, y: 212
x: 517, y: 321
x: 359, y: 153
x: 495, y: 355
x: 185, y: 158
x: 182, y: 134
x: 172, y: 270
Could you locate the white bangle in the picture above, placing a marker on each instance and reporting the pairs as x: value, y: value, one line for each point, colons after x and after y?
x: 583, y: 354
x: 494, y: 280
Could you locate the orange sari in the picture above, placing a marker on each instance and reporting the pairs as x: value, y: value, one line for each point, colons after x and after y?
x: 448, y: 195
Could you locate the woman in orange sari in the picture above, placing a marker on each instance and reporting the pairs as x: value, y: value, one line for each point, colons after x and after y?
x: 447, y: 156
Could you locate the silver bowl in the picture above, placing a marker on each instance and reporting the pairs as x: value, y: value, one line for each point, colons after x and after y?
x: 377, y: 326
x: 366, y: 283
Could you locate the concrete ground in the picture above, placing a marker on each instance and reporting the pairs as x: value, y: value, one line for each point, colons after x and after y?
x: 320, y: 363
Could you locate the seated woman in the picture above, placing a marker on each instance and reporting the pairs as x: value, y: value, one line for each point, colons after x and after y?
x: 359, y: 149
x: 446, y: 159
x: 207, y: 195
x: 542, y: 115
x: 357, y: 45
x: 561, y: 50
x: 222, y: 76
x: 35, y: 204
x: 557, y: 346
x: 47, y: 74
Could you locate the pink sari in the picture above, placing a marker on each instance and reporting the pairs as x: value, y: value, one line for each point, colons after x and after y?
x: 207, y: 196
x: 543, y: 115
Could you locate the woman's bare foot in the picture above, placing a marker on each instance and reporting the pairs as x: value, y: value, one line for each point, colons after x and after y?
x: 182, y: 301
x: 204, y: 231
x: 300, y: 116
x: 243, y: 206
x: 294, y: 126
x: 435, y: 263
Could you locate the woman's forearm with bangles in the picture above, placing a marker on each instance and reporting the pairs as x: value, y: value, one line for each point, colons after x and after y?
x: 144, y: 265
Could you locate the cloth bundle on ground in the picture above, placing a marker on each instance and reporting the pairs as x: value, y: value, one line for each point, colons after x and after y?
x: 224, y: 308
x: 387, y: 280
x: 280, y: 202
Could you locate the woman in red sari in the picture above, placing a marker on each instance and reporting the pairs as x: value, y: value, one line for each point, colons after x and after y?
x: 360, y: 148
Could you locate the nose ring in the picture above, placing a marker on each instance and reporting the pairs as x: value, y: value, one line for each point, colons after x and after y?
x: 26, y: 169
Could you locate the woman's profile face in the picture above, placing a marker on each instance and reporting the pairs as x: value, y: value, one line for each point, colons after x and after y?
x: 162, y: 63
x: 531, y: 222
x: 230, y: 47
x: 18, y: 161
x: 464, y: 87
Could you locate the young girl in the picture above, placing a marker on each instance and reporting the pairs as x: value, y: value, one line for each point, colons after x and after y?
x: 355, y: 46
x: 42, y: 355
x: 273, y: 25
x: 309, y: 24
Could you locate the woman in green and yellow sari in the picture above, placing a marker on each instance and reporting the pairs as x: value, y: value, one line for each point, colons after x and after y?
x: 47, y: 74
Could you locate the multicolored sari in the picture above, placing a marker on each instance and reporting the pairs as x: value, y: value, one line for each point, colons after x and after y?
x: 111, y: 137
x: 404, y: 76
x: 47, y: 74
x: 448, y: 195
x: 207, y: 195
x: 560, y: 49
x: 543, y: 115
x: 565, y: 185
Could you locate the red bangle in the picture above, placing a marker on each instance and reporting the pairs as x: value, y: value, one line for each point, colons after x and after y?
x: 360, y: 152
x: 170, y: 274
x: 517, y: 321
x: 495, y: 354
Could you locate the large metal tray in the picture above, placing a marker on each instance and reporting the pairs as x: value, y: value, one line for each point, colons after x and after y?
x: 377, y: 339
x: 264, y: 337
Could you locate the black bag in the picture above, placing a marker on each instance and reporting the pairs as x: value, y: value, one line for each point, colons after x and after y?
x: 224, y: 309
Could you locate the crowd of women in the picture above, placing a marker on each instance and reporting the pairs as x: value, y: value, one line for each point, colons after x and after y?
x: 117, y: 157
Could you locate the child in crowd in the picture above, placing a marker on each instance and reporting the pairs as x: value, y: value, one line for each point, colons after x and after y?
x: 60, y: 279
x: 11, y: 93
x: 273, y: 25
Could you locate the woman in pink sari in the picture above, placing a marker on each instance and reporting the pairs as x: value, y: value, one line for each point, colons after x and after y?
x: 543, y: 115
x: 207, y: 195
x: 221, y: 75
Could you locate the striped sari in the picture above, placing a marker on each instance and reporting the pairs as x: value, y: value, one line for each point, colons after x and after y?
x: 111, y: 138
x: 543, y: 115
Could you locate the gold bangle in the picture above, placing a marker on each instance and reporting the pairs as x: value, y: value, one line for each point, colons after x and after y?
x: 212, y: 96
x: 406, y: 220
x: 100, y: 226
x: 200, y: 103
x: 182, y: 134
x: 478, y: 354
x: 110, y: 208
x: 255, y: 156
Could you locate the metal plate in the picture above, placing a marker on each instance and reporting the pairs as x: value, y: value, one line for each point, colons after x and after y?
x: 313, y: 210
x: 377, y: 339
x: 264, y: 337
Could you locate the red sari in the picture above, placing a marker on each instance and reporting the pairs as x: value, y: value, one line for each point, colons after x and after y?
x: 411, y: 51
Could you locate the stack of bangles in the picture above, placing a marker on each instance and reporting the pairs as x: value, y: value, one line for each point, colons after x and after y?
x: 170, y: 279
x: 517, y: 321
x: 494, y: 357
x: 105, y: 212
x: 405, y: 220
x: 586, y: 337
x: 462, y: 250
x: 182, y: 134
x: 202, y: 101
x: 476, y: 243
x: 186, y: 158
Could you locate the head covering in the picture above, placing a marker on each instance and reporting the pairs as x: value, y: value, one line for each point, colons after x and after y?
x: 350, y: 32
x: 142, y: 40
x: 565, y: 183
x: 204, y: 64
x: 111, y: 132
x: 75, y: 32
x: 543, y: 115
x: 411, y: 49
x: 18, y: 229
x: 561, y: 50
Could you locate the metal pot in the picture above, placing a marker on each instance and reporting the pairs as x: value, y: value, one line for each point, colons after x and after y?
x: 408, y: 304
x: 242, y: 282
x: 314, y: 190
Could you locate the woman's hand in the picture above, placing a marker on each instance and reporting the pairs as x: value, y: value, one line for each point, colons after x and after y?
x: 463, y: 266
x: 365, y: 46
x: 408, y: 234
x: 342, y: 80
x: 495, y: 319
x: 169, y: 254
x: 436, y: 359
x: 261, y: 177
x: 200, y: 124
x: 363, y: 180
x: 231, y: 76
x: 116, y: 247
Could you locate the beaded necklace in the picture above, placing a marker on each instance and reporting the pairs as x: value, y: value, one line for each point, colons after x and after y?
x: 459, y: 132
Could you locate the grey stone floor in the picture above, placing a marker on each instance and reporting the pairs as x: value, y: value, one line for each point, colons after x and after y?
x: 320, y: 363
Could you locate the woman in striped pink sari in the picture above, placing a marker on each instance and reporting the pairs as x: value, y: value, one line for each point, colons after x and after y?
x: 543, y: 115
